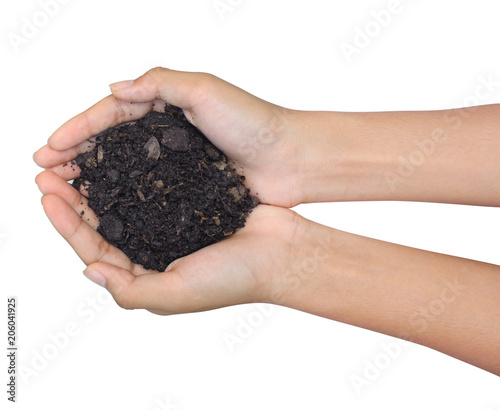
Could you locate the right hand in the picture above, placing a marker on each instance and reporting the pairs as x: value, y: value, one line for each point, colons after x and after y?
x: 257, y: 136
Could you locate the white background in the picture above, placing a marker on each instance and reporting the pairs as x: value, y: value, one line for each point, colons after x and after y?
x: 431, y: 55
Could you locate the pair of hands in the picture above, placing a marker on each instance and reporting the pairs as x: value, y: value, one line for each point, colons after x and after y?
x: 258, y: 136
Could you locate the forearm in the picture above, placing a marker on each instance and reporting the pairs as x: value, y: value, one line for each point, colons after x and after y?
x: 446, y: 303
x: 448, y: 156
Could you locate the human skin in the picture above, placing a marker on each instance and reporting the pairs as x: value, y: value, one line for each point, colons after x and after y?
x: 291, y: 157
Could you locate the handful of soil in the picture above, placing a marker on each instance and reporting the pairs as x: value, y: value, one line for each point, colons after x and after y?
x: 161, y: 189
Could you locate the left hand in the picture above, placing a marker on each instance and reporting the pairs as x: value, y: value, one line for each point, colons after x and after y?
x: 243, y: 268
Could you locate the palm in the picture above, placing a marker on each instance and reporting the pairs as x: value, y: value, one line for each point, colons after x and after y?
x: 226, y: 273
x: 236, y: 270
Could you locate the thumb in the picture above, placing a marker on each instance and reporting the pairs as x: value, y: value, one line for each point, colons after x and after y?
x: 174, y: 87
x: 146, y: 291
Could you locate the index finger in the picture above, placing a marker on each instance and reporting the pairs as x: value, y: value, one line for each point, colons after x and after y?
x: 107, y: 113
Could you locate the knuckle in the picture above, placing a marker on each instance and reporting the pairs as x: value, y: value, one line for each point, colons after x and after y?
x: 203, y: 86
x: 118, y: 112
x: 76, y: 230
x: 155, y: 75
x: 123, y: 300
x: 77, y: 200
x: 156, y: 71
x: 153, y: 78
x: 103, y: 248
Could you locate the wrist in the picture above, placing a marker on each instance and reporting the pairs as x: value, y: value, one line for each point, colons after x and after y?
x: 342, y: 157
x: 311, y: 250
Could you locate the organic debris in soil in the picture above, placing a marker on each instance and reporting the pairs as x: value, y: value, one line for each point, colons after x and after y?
x: 161, y: 189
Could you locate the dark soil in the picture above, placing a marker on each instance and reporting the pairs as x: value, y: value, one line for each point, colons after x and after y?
x: 161, y: 189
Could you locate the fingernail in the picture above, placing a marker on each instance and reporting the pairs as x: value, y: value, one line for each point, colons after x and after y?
x: 95, y: 277
x: 121, y: 85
